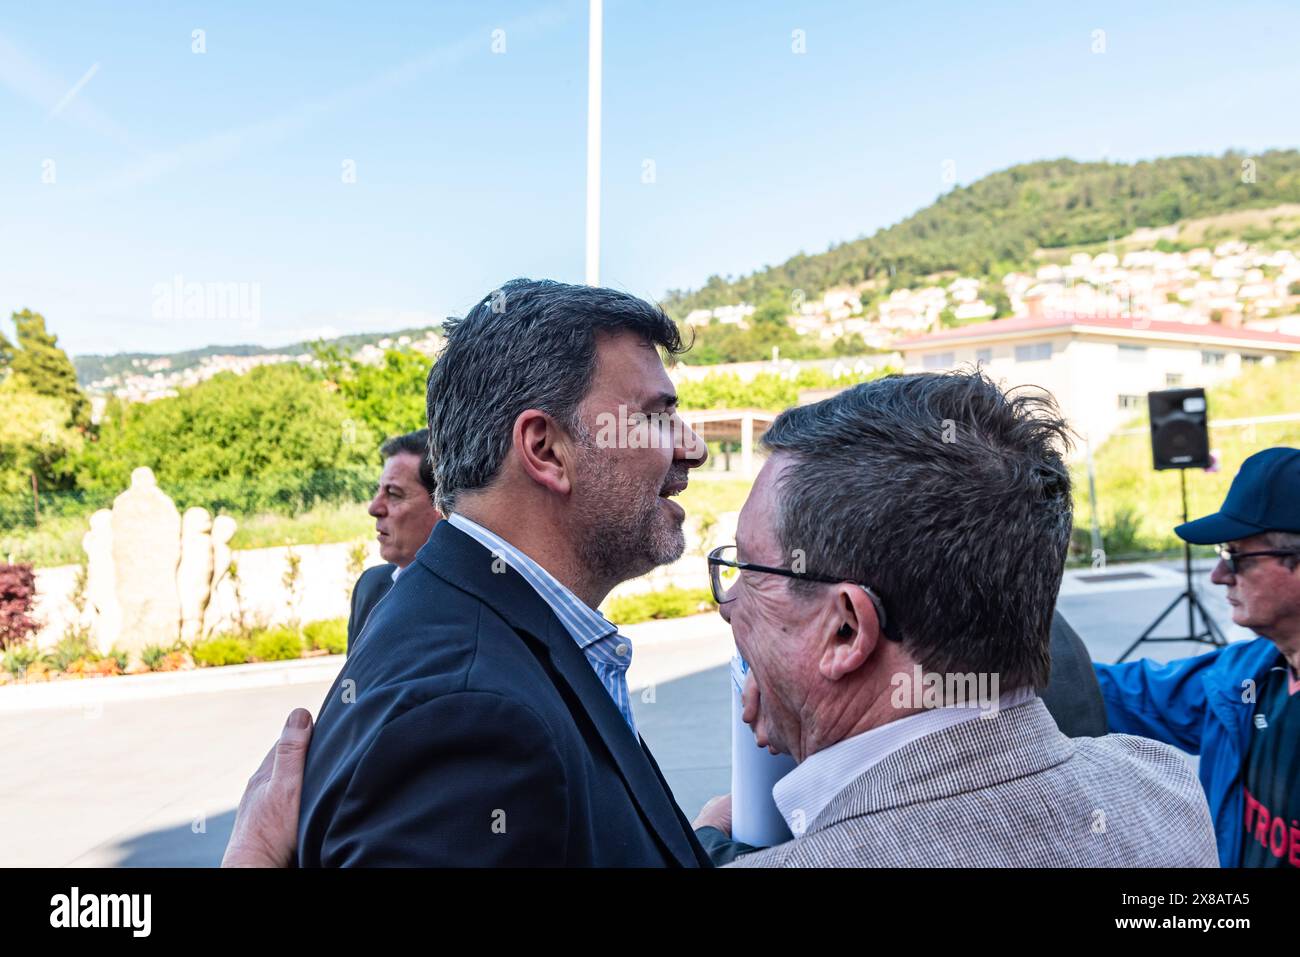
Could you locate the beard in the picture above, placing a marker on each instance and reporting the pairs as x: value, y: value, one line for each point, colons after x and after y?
x: 622, y: 529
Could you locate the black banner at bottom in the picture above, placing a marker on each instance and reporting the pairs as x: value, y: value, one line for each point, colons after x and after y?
x: 212, y: 907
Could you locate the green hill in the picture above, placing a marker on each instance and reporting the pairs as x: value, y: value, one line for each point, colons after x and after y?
x: 998, y: 223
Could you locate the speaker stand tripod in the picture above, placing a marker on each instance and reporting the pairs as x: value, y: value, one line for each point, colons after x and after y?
x: 1208, y: 633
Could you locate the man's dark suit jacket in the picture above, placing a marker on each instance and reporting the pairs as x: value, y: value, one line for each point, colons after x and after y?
x: 467, y: 729
x: 1073, y: 696
x: 370, y: 587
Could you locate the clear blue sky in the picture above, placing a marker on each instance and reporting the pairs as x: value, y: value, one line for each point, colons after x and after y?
x: 226, y: 166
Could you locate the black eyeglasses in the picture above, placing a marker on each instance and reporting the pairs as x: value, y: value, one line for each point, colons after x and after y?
x: 725, y: 569
x: 1232, y: 559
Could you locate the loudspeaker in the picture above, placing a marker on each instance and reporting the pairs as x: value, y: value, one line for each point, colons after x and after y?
x: 1180, y: 431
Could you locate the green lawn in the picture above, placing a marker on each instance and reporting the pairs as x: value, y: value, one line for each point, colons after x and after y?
x: 714, y: 495
x: 320, y: 526
x: 56, y: 542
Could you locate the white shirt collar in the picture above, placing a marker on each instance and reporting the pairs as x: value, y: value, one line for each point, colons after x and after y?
x: 397, y: 570
x: 806, y: 791
x: 586, y: 625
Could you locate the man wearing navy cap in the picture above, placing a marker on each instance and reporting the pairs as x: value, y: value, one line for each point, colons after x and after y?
x: 1238, y: 707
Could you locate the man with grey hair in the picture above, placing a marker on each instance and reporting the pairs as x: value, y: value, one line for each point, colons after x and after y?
x: 909, y: 529
x: 892, y: 589
x: 485, y: 718
x: 1238, y: 707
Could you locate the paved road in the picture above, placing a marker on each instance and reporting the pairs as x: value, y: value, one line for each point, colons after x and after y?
x: 1111, y: 607
x: 155, y: 782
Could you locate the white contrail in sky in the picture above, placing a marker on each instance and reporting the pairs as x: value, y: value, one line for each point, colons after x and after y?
x: 76, y: 88
x: 227, y: 144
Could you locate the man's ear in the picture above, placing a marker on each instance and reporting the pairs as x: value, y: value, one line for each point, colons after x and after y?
x: 545, y: 451
x: 853, y: 632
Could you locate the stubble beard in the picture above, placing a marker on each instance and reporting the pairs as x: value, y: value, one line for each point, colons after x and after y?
x: 624, y: 531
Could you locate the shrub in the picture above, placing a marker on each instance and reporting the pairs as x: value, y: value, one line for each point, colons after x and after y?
x: 153, y: 656
x: 119, y: 658
x: 671, y: 602
x: 77, y: 668
x: 1122, y: 536
x: 17, y: 592
x: 110, y: 665
x: 281, y: 644
x: 223, y: 650
x: 174, y: 661
x: 278, y: 439
x: 18, y: 659
x: 331, y: 636
x: 83, y: 667
x: 74, y: 646
x: 38, y: 670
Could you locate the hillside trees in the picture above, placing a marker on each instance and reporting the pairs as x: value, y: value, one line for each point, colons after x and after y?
x: 389, y: 397
x: 995, y: 224
x: 279, y: 438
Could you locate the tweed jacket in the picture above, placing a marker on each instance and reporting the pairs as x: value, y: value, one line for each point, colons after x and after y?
x: 1011, y: 791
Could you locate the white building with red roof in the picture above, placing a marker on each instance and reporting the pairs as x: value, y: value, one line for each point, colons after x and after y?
x: 1098, y: 368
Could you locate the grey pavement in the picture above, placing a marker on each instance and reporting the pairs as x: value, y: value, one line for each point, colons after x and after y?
x: 1112, y: 607
x: 155, y: 782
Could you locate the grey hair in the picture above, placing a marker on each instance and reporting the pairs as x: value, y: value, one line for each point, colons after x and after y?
x: 1286, y: 540
x: 529, y: 345
x: 948, y: 498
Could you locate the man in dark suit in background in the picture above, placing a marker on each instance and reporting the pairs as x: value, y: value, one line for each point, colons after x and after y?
x: 404, y: 516
x: 1072, y: 696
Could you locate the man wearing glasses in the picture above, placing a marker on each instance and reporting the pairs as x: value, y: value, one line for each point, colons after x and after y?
x: 1238, y: 707
x: 893, y: 592
x: 910, y: 528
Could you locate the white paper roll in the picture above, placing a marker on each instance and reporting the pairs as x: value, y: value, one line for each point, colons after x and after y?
x: 755, y: 818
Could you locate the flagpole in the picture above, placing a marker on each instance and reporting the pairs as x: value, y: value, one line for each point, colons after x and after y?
x: 594, y: 30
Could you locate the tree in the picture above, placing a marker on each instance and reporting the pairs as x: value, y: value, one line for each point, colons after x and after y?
x: 35, y: 438
x: 389, y: 397
x: 38, y: 365
x: 852, y: 345
x: 765, y: 391
x: 996, y: 296
x: 280, y: 438
x: 997, y: 223
x: 772, y: 311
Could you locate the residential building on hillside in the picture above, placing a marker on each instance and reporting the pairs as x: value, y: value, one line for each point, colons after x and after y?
x: 1099, y: 368
x: 735, y: 315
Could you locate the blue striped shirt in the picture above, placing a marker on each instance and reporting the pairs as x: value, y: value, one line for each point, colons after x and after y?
x: 608, y: 652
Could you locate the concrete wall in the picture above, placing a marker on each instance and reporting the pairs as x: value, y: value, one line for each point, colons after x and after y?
x: 324, y: 592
